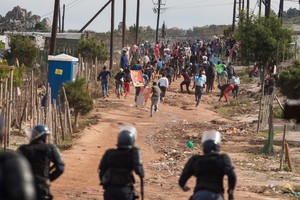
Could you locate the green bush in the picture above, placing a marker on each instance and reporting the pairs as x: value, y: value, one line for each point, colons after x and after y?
x: 78, y: 97
x: 278, y: 113
x: 289, y: 81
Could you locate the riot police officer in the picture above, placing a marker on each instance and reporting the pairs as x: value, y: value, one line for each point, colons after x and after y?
x: 117, y: 165
x: 16, y: 180
x: 209, y: 170
x: 46, y: 162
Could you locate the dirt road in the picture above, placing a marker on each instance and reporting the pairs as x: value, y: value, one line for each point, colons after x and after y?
x: 162, y: 140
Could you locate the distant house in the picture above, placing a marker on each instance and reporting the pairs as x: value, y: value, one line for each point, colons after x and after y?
x: 65, y: 42
x: 296, y: 44
x: 5, y: 40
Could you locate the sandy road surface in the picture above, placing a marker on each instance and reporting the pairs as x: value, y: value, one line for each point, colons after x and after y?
x: 80, y: 180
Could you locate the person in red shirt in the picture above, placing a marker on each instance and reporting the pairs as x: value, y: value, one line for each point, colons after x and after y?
x: 186, y: 81
x: 156, y: 51
x: 227, y: 90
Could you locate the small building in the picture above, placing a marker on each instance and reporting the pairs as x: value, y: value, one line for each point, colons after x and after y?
x: 5, y: 40
x: 62, y: 68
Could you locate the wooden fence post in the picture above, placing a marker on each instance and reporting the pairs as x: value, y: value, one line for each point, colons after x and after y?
x: 283, y: 147
x: 287, y: 155
x: 61, y: 120
x: 32, y: 101
x: 10, y: 105
x: 68, y: 111
x: 54, y: 130
x: 96, y: 69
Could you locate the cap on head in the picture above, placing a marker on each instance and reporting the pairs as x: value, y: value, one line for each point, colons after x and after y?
x: 211, y: 141
x: 39, y: 131
x: 121, y: 70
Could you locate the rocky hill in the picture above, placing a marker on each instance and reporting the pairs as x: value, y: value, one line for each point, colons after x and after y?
x: 20, y: 19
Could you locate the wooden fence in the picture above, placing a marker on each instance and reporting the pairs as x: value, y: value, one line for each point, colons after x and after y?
x: 29, y: 105
x: 264, y: 112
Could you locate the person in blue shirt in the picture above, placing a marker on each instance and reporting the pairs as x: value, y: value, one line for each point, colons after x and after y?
x: 123, y: 60
x: 199, y: 82
x: 104, y: 76
x: 159, y: 65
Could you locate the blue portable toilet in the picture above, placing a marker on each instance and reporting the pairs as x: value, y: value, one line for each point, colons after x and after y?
x: 62, y: 68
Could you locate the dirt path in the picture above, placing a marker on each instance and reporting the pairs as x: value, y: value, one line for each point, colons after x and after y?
x: 80, y: 180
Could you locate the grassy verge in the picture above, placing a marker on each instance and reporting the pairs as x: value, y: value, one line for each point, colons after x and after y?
x: 238, y: 106
x: 83, y: 122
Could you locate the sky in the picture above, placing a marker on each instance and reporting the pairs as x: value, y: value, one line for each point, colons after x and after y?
x: 183, y: 14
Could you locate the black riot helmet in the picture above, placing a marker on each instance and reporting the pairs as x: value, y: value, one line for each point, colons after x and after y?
x: 127, y: 137
x: 211, y: 141
x: 39, y: 131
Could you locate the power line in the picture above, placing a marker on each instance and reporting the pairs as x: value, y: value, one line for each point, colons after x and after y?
x: 69, y: 5
x: 189, y: 3
x: 200, y: 6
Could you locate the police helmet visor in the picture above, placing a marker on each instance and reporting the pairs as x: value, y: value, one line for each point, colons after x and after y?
x: 211, y: 135
x: 125, y: 140
x: 39, y: 131
x: 131, y: 129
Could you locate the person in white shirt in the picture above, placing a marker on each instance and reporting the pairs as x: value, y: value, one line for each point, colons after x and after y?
x: 235, y: 80
x: 204, y: 77
x: 163, y: 84
x: 146, y: 59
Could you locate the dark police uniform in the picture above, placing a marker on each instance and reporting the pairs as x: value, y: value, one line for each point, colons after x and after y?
x: 40, y: 156
x: 116, y: 172
x: 209, y: 169
x: 16, y: 180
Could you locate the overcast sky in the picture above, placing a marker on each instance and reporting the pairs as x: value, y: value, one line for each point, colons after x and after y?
x: 176, y: 13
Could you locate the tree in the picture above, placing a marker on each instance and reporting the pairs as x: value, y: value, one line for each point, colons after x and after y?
x: 78, y: 98
x: 24, y: 49
x: 291, y: 13
x: 288, y: 81
x: 91, y: 49
x: 2, y: 45
x: 41, y: 26
x: 262, y: 39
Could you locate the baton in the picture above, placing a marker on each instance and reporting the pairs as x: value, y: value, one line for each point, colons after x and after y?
x: 142, y: 188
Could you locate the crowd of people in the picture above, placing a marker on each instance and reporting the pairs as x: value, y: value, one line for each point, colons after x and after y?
x: 200, y: 64
x: 35, y: 165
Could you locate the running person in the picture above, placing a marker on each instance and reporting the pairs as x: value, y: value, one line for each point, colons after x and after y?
x: 198, y: 85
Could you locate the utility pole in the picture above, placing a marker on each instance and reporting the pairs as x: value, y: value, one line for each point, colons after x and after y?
x: 243, y: 5
x: 233, y: 18
x: 240, y: 7
x: 267, y: 7
x: 124, y: 24
x: 112, y: 27
x: 137, y: 22
x: 63, y: 19
x: 59, y: 19
x: 259, y: 11
x: 54, y: 28
x: 280, y: 13
x: 157, y: 24
x: 248, y: 7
